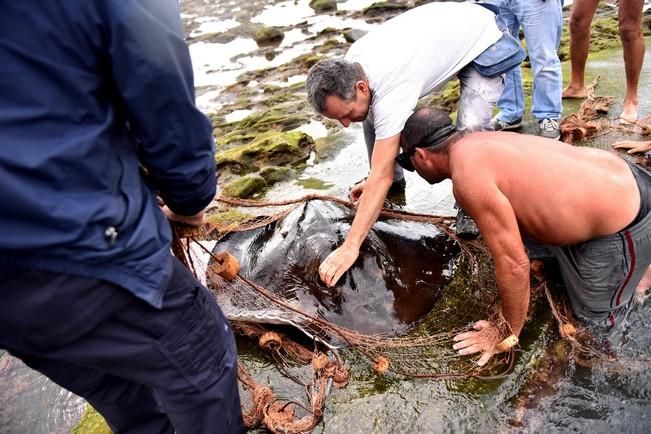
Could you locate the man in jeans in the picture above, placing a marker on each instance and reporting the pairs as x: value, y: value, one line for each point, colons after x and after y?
x: 542, y: 21
x: 97, y: 115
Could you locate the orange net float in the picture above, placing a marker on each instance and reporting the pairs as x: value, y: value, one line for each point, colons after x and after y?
x: 381, y: 365
x: 226, y: 265
x: 270, y: 341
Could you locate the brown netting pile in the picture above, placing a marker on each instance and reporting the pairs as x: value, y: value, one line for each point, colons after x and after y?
x: 423, y: 351
x: 590, y: 120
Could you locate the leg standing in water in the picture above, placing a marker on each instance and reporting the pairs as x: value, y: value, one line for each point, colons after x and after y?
x: 630, y: 32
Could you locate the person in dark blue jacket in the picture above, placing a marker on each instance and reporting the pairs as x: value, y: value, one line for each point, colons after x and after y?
x: 94, y: 95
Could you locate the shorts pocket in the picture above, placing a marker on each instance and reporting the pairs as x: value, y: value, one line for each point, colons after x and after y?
x: 601, y: 273
x: 197, y: 344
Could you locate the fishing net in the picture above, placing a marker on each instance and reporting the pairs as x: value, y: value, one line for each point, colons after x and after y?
x: 590, y: 120
x: 421, y: 349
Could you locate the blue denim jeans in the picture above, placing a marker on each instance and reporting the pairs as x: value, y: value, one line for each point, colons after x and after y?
x: 542, y: 21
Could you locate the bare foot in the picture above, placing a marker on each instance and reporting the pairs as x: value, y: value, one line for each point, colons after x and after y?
x: 574, y: 92
x: 629, y: 113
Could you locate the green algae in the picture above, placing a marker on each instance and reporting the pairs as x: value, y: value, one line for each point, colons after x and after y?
x: 268, y: 36
x: 314, y: 184
x: 281, y: 117
x: 228, y: 217
x: 273, y: 174
x: 383, y: 7
x: 245, y: 186
x: 268, y: 149
x: 91, y: 423
x: 323, y: 5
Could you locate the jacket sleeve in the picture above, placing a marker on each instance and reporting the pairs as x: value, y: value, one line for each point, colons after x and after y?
x: 152, y: 70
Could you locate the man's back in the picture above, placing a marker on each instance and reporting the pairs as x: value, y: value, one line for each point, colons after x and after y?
x: 560, y: 194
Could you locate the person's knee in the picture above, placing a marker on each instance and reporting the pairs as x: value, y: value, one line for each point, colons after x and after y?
x: 580, y: 24
x: 630, y: 31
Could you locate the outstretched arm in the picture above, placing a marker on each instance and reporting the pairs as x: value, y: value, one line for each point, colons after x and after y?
x: 370, y: 204
x: 499, y: 228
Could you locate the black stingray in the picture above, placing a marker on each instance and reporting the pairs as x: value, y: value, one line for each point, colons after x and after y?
x: 399, y: 275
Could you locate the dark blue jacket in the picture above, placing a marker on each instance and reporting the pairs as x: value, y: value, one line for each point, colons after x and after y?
x: 91, y: 92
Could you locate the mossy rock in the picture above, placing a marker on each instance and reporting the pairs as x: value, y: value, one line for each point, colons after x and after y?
x: 91, y: 423
x: 323, y: 5
x: 281, y: 117
x: 307, y: 60
x: 273, y: 174
x: 245, y: 186
x: 228, y: 218
x: 268, y: 149
x: 268, y: 36
x: 384, y: 7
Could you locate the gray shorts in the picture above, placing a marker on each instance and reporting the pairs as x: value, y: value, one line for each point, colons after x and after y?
x: 601, y: 274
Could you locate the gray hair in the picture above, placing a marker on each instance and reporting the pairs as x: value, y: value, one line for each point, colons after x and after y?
x: 332, y: 77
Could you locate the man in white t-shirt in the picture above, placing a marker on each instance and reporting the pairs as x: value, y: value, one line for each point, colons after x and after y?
x: 379, y: 83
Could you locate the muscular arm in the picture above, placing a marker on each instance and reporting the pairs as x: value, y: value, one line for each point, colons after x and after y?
x: 375, y: 191
x: 499, y: 228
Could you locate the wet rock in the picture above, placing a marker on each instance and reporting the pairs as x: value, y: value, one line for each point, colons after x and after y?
x: 281, y: 117
x: 307, y: 60
x: 381, y: 8
x: 353, y: 35
x: 269, y: 149
x: 246, y: 186
x: 273, y: 174
x: 323, y: 5
x: 268, y: 36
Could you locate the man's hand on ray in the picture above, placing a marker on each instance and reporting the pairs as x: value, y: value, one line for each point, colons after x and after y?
x: 336, y: 264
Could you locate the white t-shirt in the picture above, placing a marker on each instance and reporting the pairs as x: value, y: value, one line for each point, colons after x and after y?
x: 417, y: 52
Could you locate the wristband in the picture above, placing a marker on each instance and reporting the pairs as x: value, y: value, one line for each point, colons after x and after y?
x: 507, y: 343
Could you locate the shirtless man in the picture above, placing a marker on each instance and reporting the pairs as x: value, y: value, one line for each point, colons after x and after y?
x: 588, y: 205
x: 630, y: 32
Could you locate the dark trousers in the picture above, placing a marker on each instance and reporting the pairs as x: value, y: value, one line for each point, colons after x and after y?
x: 146, y: 370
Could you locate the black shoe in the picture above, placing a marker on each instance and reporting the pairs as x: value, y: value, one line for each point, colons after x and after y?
x: 465, y: 226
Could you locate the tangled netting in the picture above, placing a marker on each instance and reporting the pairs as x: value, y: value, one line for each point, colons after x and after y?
x: 424, y: 350
x: 592, y: 120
